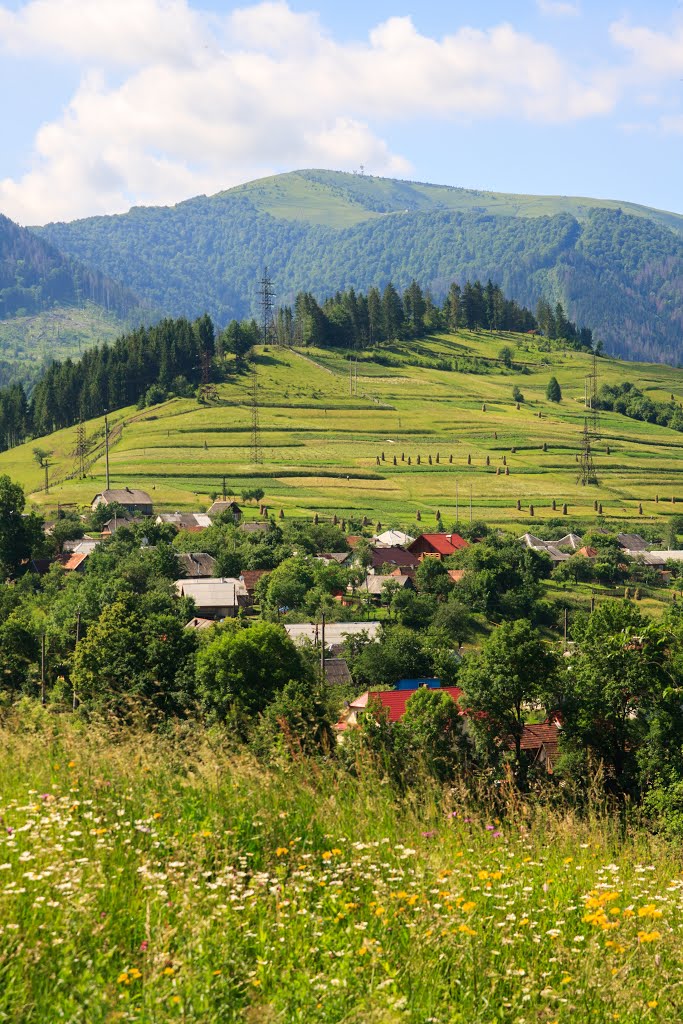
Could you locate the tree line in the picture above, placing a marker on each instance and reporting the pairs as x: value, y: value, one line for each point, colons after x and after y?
x: 351, y: 319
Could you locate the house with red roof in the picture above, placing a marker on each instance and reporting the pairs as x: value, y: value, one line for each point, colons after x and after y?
x: 541, y: 742
x: 437, y: 545
x: 393, y: 701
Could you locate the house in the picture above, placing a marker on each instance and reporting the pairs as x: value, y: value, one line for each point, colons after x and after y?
x: 393, y: 701
x: 340, y: 557
x: 250, y: 577
x: 214, y: 598
x: 335, y: 632
x: 415, y: 684
x: 132, y: 499
x: 78, y: 546
x: 197, y: 623
x: 457, y: 575
x: 337, y: 672
x: 196, y: 563
x: 437, y: 545
x: 587, y: 552
x: 219, y: 507
x: 193, y: 522
x: 546, y: 547
x: 541, y: 743
x: 397, y: 558
x: 570, y: 540
x: 631, y: 542
x: 374, y: 585
x: 659, y: 557
x: 258, y: 526
x: 393, y: 539
x: 74, y: 561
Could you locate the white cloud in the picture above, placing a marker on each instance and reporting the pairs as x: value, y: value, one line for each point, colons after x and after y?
x: 558, y: 8
x: 206, y: 103
x: 658, y: 53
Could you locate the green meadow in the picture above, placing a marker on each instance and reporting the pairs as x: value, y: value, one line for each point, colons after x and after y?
x: 448, y: 397
x: 172, y: 878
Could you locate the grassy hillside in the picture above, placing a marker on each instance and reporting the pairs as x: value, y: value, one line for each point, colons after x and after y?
x: 28, y: 342
x: 617, y: 268
x: 321, y: 443
x: 172, y: 878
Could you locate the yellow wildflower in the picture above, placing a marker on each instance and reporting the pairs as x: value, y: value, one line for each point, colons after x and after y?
x: 170, y: 971
x: 650, y: 910
x: 567, y: 978
x: 652, y: 1003
x: 467, y: 907
x: 649, y: 936
x: 466, y: 930
x: 123, y: 978
x: 281, y: 851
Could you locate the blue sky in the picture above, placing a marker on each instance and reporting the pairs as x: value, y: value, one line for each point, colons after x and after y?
x: 111, y: 103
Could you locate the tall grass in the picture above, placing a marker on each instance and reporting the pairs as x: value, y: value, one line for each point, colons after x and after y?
x: 159, y: 878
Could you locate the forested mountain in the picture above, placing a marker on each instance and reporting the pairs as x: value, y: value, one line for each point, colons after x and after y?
x: 615, y: 267
x: 35, y: 276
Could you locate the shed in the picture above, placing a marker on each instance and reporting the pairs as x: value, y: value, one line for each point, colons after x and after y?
x: 394, y: 538
x: 631, y: 542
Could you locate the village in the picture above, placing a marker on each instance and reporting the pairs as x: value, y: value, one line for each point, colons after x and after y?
x: 362, y: 589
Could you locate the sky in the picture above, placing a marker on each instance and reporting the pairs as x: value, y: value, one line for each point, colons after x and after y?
x: 107, y: 104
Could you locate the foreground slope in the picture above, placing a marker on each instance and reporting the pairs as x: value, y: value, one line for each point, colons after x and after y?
x: 617, y: 267
x: 448, y: 395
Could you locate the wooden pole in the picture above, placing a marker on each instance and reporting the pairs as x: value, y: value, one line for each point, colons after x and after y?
x: 322, y: 649
x: 78, y: 637
x: 42, y: 670
x: 106, y: 449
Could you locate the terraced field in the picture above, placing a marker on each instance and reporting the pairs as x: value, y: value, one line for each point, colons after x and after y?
x: 320, y: 442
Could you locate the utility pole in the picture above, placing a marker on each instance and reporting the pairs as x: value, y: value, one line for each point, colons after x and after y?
x: 457, y: 517
x: 470, y: 503
x: 78, y: 637
x: 106, y: 449
x: 565, y: 628
x: 47, y: 481
x: 42, y: 669
x: 322, y: 649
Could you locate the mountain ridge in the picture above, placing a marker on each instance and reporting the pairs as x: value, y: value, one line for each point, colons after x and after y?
x: 617, y: 268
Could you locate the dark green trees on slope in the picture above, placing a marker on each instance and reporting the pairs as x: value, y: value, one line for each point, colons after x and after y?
x: 620, y: 274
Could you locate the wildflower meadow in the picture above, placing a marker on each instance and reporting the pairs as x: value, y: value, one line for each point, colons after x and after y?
x: 162, y: 878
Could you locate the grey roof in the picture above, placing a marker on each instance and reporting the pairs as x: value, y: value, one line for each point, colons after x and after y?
x: 335, y: 632
x: 334, y: 556
x: 125, y: 496
x: 548, y: 547
x: 375, y: 584
x: 185, y: 520
x: 337, y: 671
x: 394, y: 538
x: 570, y: 540
x: 665, y: 556
x: 81, y: 546
x: 199, y: 623
x: 259, y: 526
x: 224, y: 506
x: 632, y: 541
x: 212, y: 593
x: 197, y: 563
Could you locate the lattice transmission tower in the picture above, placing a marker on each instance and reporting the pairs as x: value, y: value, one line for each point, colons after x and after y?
x: 266, y: 295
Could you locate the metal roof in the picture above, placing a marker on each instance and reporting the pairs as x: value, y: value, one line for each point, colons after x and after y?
x: 335, y: 632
